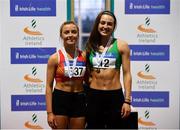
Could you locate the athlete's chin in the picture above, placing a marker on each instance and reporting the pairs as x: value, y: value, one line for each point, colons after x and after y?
x: 71, y: 43
x: 104, y: 34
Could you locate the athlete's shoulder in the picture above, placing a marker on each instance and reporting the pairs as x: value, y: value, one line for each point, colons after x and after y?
x: 122, y: 45
x: 53, y: 59
x: 122, y: 42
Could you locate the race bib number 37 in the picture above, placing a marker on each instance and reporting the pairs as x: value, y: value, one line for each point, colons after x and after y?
x: 78, y: 71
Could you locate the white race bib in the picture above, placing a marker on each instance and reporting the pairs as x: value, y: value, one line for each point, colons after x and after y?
x: 78, y: 71
x: 105, y: 63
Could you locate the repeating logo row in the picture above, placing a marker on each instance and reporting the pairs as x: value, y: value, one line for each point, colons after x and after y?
x: 41, y: 55
x: 48, y: 7
x: 33, y: 34
x: 139, y: 99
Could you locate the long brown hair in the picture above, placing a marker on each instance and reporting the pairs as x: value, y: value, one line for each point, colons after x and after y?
x: 94, y: 40
x: 95, y: 36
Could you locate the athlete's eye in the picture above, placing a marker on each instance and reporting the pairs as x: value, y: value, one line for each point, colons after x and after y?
x: 102, y: 22
x: 110, y: 23
x: 66, y: 32
x: 74, y: 31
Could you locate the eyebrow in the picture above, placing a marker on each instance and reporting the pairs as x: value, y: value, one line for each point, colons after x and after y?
x: 106, y: 21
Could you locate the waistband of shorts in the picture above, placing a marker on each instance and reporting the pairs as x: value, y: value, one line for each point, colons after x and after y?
x: 105, y: 91
x: 67, y: 93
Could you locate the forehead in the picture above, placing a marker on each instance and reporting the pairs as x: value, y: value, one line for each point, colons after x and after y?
x: 69, y: 26
x: 106, y: 17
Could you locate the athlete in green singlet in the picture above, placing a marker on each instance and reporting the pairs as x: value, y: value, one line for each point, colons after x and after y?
x: 107, y: 104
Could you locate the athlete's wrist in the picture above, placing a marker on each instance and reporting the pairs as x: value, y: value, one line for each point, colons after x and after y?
x: 129, y: 103
x: 128, y: 99
x: 50, y: 112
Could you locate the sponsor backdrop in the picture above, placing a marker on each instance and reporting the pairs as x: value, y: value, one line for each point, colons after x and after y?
x: 0, y: 57
x: 150, y: 28
x: 30, y: 34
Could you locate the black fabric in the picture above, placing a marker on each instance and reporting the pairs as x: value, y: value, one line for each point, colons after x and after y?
x: 131, y: 122
x: 104, y: 109
x: 69, y: 103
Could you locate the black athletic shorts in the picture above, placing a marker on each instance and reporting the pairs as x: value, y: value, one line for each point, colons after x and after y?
x: 71, y: 104
x: 104, y: 108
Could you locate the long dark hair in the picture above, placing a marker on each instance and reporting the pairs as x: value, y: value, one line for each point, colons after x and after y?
x: 94, y: 40
x: 95, y: 36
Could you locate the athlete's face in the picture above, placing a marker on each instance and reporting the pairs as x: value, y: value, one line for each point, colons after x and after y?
x: 70, y: 34
x: 106, y: 25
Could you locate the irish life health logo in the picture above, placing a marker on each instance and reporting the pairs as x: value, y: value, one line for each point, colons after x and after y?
x: 28, y: 8
x: 151, y: 98
x: 31, y: 55
x: 147, y: 7
x: 150, y: 52
x: 32, y: 37
x: 146, y: 33
x: 29, y: 102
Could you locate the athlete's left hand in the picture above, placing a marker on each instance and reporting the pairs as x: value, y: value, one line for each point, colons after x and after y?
x: 126, y: 110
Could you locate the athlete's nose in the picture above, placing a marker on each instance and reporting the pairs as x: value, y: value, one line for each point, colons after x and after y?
x: 105, y: 25
x: 70, y: 34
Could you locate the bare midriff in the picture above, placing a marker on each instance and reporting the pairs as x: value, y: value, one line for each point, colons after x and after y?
x: 106, y: 79
x: 70, y: 85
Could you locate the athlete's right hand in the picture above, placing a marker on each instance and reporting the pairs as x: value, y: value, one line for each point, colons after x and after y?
x: 51, y: 121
